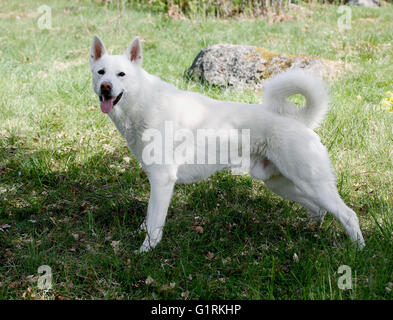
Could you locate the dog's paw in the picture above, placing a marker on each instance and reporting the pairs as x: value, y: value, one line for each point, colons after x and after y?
x: 352, y: 227
x: 147, y: 245
x: 150, y: 242
x: 359, y: 241
x: 143, y: 249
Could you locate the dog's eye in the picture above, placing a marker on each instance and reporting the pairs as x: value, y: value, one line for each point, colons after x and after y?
x: 121, y: 74
x: 102, y: 71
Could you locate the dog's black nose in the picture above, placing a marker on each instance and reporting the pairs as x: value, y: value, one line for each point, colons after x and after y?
x: 106, y: 88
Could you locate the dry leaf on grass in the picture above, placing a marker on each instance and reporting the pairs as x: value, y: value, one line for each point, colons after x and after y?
x: 168, y: 287
x: 210, y: 256
x: 149, y: 280
x: 3, y: 227
x: 116, y: 246
x: 198, y: 229
x: 185, y: 294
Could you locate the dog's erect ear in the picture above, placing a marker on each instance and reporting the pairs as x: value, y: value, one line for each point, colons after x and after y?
x: 134, y: 51
x: 97, y: 49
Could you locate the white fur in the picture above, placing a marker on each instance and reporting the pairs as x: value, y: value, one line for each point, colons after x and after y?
x: 285, y: 152
x: 284, y: 85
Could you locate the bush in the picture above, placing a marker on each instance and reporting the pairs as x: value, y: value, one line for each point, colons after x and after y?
x: 221, y: 8
x: 216, y: 8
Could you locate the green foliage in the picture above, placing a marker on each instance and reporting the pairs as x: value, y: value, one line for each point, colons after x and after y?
x: 211, y: 8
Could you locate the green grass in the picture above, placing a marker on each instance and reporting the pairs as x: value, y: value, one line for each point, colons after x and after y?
x: 69, y: 195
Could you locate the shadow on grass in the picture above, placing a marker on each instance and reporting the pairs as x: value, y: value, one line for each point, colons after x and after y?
x: 74, y: 217
x: 234, y: 206
x: 33, y: 185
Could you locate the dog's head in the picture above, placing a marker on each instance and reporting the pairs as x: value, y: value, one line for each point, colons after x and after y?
x: 115, y: 77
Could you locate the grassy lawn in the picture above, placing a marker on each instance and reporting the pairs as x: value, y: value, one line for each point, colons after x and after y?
x: 72, y: 197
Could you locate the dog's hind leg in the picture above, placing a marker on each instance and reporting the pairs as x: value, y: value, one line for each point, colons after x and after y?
x: 324, y: 199
x: 305, y: 161
x: 329, y: 199
x: 288, y: 190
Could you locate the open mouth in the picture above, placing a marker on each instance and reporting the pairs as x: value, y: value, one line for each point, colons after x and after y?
x: 107, y: 103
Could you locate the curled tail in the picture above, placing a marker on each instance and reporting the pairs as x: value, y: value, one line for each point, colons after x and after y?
x: 286, y: 84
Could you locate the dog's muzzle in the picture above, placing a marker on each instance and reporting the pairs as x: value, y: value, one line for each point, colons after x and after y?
x: 107, y: 100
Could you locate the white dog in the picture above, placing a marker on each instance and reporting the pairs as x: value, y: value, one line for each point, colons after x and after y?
x: 284, y: 151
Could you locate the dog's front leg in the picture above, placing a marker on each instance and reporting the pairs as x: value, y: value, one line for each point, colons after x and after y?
x: 161, y: 189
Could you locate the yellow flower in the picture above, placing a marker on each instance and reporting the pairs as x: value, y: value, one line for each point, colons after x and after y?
x: 387, y: 103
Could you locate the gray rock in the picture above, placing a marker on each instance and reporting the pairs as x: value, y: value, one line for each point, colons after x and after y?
x: 249, y: 66
x: 364, y: 3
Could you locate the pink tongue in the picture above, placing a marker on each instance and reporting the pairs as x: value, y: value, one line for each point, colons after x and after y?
x: 106, y: 105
